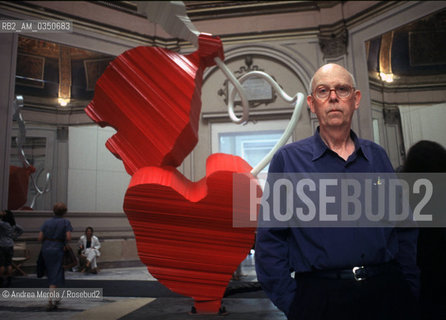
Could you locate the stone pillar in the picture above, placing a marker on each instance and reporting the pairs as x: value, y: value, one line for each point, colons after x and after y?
x: 333, y: 41
x: 8, y: 58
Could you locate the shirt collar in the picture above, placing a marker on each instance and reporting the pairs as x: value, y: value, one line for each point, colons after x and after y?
x: 360, y: 147
x: 319, y: 146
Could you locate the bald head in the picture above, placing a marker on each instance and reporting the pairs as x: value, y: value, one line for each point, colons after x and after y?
x: 329, y: 70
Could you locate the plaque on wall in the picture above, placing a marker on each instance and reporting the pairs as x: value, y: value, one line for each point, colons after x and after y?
x: 257, y: 89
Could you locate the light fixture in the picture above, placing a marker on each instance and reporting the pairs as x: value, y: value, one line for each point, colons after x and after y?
x: 387, y: 77
x: 63, y: 102
x: 385, y: 57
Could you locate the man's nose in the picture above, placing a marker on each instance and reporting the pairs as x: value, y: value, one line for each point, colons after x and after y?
x: 333, y: 95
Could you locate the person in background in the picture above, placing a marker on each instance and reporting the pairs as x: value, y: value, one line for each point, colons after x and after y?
x: 9, y: 231
x: 54, y: 234
x: 339, y: 273
x: 89, y: 246
x: 430, y: 157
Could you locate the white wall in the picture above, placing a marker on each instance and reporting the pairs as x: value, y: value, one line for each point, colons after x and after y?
x: 97, y: 181
x: 423, y: 122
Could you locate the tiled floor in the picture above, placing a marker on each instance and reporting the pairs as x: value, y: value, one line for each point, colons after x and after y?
x: 129, y: 308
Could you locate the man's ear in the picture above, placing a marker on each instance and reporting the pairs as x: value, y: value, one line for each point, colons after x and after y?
x: 357, y: 99
x: 310, y: 102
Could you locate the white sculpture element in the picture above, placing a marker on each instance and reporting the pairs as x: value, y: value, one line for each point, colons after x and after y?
x: 20, y: 141
x: 172, y: 16
x: 238, y: 88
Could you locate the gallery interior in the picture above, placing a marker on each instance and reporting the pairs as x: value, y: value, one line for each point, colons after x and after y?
x: 395, y: 50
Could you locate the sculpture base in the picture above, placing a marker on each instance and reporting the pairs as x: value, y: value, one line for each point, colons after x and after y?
x: 208, y: 307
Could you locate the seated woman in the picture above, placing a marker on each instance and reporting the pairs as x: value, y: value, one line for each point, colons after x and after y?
x: 89, y: 246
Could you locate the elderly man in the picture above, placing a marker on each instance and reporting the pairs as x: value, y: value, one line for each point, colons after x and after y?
x: 325, y: 260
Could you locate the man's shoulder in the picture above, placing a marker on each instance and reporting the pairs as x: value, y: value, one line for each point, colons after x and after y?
x: 372, y: 146
x: 376, y: 153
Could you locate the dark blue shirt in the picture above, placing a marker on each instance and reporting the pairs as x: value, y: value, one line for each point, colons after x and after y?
x: 281, y: 250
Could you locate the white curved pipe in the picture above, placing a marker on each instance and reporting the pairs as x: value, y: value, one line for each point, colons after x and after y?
x: 20, y: 141
x: 40, y: 192
x: 285, y: 136
x: 241, y: 92
x: 297, y: 100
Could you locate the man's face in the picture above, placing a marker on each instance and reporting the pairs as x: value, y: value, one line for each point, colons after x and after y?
x: 333, y: 111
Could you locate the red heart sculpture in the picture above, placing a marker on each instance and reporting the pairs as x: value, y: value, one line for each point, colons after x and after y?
x: 152, y: 98
x: 184, y: 230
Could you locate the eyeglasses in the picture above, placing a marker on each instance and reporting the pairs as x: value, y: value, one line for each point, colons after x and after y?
x: 342, y: 91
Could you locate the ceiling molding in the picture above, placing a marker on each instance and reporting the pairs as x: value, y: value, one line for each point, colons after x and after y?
x: 209, y: 10
x: 202, y: 11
